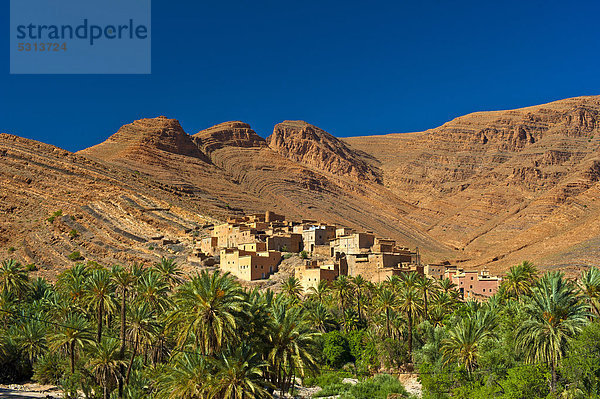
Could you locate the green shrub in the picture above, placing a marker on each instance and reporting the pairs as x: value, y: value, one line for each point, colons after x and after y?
x: 332, y: 390
x: 287, y: 256
x: 12, y: 249
x: 73, y: 233
x: 31, y: 267
x: 75, y: 255
x: 54, y: 216
x: 380, y: 387
x: 336, y: 350
x: 304, y: 255
x: 49, y: 369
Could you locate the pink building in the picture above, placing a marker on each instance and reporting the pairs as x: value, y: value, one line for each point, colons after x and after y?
x: 473, y: 285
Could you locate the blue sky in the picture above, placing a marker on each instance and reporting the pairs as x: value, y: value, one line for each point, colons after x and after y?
x: 351, y: 67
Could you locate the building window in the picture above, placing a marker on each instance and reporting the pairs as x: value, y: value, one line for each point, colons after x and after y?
x: 470, y: 286
x: 484, y: 290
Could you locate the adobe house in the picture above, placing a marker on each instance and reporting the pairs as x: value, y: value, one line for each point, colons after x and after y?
x: 474, y: 285
x: 369, y: 264
x: 382, y: 274
x: 384, y: 245
x: 285, y: 243
x: 311, y: 273
x: 249, y: 265
x: 438, y: 270
x: 209, y: 245
x: 317, y: 235
x: 352, y: 244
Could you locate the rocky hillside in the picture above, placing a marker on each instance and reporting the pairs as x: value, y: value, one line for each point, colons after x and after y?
x: 314, y: 147
x: 489, y: 188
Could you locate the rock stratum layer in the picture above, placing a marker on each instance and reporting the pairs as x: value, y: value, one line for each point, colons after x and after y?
x: 486, y: 189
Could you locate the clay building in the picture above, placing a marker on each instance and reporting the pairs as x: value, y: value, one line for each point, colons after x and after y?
x: 312, y: 273
x: 474, y: 285
x: 317, y: 236
x: 249, y: 265
x: 285, y: 242
x: 352, y: 244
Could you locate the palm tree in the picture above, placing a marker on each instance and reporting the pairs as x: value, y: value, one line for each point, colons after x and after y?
x: 13, y: 278
x: 141, y: 329
x: 343, y: 288
x: 411, y: 279
x: 206, y: 309
x: 292, y: 288
x: 291, y: 343
x: 123, y: 280
x: 32, y: 339
x: 589, y: 283
x: 519, y: 280
x: 427, y: 286
x: 239, y: 375
x: 320, y: 293
x: 556, y: 314
x: 386, y: 302
x: 106, y: 363
x: 462, y: 344
x: 409, y: 303
x: 72, y: 283
x: 99, y: 295
x: 446, y: 285
x: 320, y: 318
x: 153, y: 289
x: 359, y: 285
x: 71, y: 335
x: 170, y: 271
x: 187, y: 376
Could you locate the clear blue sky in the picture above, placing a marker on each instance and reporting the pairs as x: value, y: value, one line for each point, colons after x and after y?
x: 350, y: 67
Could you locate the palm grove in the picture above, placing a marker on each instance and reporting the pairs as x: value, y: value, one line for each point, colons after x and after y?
x: 137, y: 332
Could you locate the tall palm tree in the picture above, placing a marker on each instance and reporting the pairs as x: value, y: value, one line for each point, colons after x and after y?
x: 206, y: 309
x: 291, y: 343
x: 141, y: 329
x: 359, y: 286
x: 463, y: 342
x: 100, y: 289
x: 589, y: 283
x: 153, y: 289
x: 71, y: 335
x: 519, y: 280
x: 292, y: 288
x: 385, y: 302
x: 170, y: 271
x: 409, y: 303
x: 320, y: 293
x: 239, y: 375
x: 105, y: 362
x: 124, y: 281
x: 320, y: 318
x: 13, y: 278
x: 343, y: 289
x: 427, y: 286
x: 446, y: 285
x: 411, y: 279
x: 72, y: 283
x: 556, y: 314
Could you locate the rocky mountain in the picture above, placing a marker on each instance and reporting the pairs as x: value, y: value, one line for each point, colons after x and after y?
x: 314, y: 147
x: 485, y: 189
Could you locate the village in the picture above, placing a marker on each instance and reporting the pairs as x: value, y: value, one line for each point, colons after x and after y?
x: 252, y: 248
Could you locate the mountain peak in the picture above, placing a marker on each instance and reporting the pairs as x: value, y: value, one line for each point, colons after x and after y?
x: 233, y: 134
x: 302, y: 142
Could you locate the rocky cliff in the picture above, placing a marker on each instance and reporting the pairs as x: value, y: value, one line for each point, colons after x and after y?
x: 314, y: 147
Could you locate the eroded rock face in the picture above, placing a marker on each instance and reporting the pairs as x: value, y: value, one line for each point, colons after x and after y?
x: 145, y: 135
x: 307, y: 144
x: 233, y: 134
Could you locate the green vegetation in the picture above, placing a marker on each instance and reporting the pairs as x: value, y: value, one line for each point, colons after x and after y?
x: 73, y: 233
x: 304, y: 254
x: 75, y: 255
x: 149, y: 332
x: 54, y: 216
x: 31, y: 267
x: 11, y: 249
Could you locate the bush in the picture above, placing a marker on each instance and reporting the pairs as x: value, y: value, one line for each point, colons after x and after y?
x: 287, y: 256
x: 75, y: 255
x: 332, y: 390
x: 304, y: 255
x: 73, y: 233
x: 379, y: 387
x: 49, y: 369
x: 12, y: 249
x: 54, y: 216
x: 336, y: 349
x: 31, y: 267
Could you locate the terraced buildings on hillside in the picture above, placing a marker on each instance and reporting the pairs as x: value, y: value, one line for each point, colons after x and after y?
x: 251, y: 247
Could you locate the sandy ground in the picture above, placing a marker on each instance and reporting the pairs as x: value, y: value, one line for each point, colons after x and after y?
x: 29, y: 390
